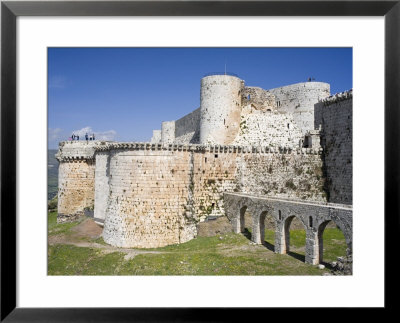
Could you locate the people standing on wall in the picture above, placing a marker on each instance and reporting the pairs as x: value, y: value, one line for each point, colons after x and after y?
x: 93, y: 136
x: 87, y: 137
x: 77, y: 137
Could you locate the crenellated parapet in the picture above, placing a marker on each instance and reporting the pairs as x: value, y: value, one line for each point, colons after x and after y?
x: 342, y: 96
x: 67, y: 153
x: 78, y: 150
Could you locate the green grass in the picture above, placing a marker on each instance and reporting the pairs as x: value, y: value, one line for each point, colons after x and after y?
x: 231, y: 255
x: 58, y: 228
x: 99, y: 241
x: 71, y: 260
x: 334, y: 244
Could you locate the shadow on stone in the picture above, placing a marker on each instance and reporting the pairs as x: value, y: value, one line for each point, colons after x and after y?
x: 327, y: 265
x: 297, y: 256
x: 269, y: 246
x: 247, y: 233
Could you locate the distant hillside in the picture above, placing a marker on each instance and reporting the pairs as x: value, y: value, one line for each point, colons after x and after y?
x: 52, y: 174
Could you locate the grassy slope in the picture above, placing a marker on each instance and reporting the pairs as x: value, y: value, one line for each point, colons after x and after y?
x: 231, y: 255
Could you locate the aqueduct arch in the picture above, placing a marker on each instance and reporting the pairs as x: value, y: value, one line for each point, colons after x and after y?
x: 314, y: 216
x: 321, y: 229
x: 285, y: 232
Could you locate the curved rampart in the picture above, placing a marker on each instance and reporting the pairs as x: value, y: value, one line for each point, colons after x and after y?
x: 151, y: 195
x: 76, y: 176
x: 299, y: 99
x: 148, y: 197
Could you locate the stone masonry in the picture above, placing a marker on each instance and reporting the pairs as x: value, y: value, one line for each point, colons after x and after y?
x: 314, y: 216
x: 334, y: 116
x: 244, y: 145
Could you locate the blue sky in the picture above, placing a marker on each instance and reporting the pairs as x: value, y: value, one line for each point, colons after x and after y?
x: 124, y: 93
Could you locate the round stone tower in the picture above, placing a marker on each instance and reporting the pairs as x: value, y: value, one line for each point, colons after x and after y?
x: 299, y: 99
x: 168, y: 132
x: 220, y: 106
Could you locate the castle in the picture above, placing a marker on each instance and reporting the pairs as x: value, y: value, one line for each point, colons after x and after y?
x: 285, y: 151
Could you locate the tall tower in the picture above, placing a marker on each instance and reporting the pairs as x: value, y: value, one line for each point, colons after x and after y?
x: 168, y: 132
x: 220, y: 106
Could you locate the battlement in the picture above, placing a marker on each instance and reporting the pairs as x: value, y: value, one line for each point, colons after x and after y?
x: 89, y: 152
x: 78, y: 150
x: 346, y: 95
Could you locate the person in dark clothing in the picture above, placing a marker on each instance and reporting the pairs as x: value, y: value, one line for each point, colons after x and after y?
x: 87, y: 137
x: 93, y: 136
x: 77, y: 137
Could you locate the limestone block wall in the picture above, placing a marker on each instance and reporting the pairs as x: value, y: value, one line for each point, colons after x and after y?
x: 76, y: 173
x: 214, y: 172
x: 269, y: 128
x: 158, y: 193
x: 168, y: 132
x: 220, y: 105
x: 187, y: 128
x: 148, y: 196
x: 297, y: 175
x: 335, y: 117
x: 299, y: 99
x: 102, y: 188
x: 75, y: 188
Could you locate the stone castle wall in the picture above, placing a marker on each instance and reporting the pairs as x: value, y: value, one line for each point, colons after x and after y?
x: 154, y: 195
x: 299, y: 99
x: 226, y: 102
x: 187, y: 128
x: 76, y: 175
x: 102, y: 187
x: 148, y: 194
x: 288, y: 175
x: 269, y: 128
x: 75, y: 188
x: 334, y: 116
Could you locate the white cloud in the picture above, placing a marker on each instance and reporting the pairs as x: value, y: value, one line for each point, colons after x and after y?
x: 108, y: 135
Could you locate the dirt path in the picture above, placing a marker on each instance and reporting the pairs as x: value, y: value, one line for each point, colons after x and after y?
x: 87, y: 230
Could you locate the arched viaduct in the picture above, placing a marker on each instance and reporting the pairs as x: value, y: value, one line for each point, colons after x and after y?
x: 314, y: 216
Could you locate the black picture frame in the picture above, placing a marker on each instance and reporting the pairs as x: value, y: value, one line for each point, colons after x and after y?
x: 10, y: 10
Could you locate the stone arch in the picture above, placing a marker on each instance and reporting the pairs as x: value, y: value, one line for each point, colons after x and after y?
x: 258, y: 228
x: 320, y: 241
x: 235, y: 211
x: 242, y: 213
x: 263, y: 215
x: 286, y: 231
